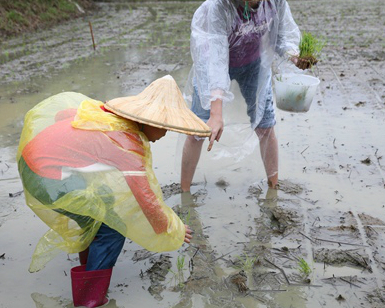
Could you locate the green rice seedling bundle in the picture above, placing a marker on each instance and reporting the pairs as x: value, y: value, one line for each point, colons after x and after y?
x: 310, y: 48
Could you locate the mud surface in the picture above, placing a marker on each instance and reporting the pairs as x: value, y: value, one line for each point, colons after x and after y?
x: 317, y: 241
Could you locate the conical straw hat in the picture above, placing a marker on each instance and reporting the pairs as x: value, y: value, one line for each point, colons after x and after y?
x: 162, y: 105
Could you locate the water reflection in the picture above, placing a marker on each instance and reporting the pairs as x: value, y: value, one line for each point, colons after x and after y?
x: 44, y: 301
x: 211, y: 282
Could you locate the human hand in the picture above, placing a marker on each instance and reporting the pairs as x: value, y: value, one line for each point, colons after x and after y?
x: 216, y: 125
x: 303, y: 63
x: 187, y: 236
x: 215, y: 122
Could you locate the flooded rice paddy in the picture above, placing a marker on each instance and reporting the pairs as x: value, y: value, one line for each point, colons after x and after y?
x: 318, y: 241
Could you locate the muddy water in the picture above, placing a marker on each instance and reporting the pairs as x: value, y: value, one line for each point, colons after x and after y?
x: 329, y: 209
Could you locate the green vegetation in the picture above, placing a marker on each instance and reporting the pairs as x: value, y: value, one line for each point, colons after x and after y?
x: 304, y: 268
x: 279, y: 78
x: 179, y: 276
x: 15, y: 17
x: 19, y: 16
x: 180, y: 263
x: 310, y: 47
x: 247, y: 263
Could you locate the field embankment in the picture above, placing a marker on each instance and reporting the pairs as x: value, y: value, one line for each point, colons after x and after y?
x: 19, y: 16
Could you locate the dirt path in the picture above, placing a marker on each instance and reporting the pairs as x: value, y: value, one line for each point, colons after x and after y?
x: 329, y: 210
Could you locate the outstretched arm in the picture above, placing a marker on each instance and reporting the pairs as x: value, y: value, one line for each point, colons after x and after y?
x: 127, y: 153
x: 148, y: 202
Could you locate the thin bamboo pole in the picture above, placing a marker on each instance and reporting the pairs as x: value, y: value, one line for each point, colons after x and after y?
x: 92, y: 35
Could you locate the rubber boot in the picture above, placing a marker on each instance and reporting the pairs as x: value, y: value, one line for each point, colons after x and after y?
x: 83, y: 256
x: 89, y: 288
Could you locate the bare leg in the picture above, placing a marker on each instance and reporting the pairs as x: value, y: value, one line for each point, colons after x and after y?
x: 190, y: 157
x: 269, y: 152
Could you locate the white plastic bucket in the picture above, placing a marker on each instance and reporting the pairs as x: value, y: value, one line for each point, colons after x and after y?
x: 295, y: 92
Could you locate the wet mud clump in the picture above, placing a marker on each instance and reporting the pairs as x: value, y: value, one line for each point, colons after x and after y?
x: 370, y: 220
x: 356, y: 257
x: 289, y: 187
x: 239, y: 280
x: 157, y: 274
x: 142, y: 254
x: 171, y: 190
x: 254, y: 192
x: 222, y: 183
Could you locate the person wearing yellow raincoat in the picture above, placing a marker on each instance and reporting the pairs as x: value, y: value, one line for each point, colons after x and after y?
x: 86, y: 169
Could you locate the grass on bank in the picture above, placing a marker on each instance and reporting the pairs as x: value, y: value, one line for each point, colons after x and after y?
x: 20, y: 16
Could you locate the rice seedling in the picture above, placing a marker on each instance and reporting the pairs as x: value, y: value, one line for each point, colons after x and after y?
x: 304, y: 268
x: 310, y: 48
x: 247, y: 263
x: 178, y: 276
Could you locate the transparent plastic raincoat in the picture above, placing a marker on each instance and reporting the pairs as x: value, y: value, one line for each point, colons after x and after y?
x: 228, y: 33
x: 82, y: 166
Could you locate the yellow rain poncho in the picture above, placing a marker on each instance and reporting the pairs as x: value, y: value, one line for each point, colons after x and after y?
x: 82, y: 166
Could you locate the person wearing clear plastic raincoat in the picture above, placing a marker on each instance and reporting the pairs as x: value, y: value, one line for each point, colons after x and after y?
x: 238, y: 40
x: 86, y: 169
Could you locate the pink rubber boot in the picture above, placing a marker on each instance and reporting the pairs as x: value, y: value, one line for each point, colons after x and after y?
x: 89, y: 288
